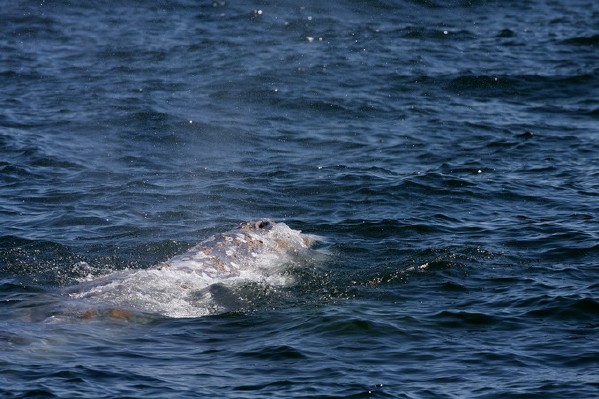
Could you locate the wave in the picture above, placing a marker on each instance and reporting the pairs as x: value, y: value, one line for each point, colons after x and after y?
x: 582, y: 40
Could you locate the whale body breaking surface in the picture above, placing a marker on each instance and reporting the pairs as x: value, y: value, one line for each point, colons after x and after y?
x: 187, y: 285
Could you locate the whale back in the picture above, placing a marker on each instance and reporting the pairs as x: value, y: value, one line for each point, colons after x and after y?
x: 252, y: 245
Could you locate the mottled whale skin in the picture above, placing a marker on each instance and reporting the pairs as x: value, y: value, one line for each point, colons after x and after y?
x: 182, y: 286
x: 252, y: 245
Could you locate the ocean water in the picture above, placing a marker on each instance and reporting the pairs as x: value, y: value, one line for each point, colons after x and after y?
x: 446, y: 154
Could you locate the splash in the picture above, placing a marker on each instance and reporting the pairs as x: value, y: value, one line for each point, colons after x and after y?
x: 197, y: 282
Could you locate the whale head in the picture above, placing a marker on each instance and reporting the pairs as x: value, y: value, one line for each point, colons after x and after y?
x: 203, y: 279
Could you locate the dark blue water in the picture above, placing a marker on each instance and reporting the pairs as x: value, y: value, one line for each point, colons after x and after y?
x: 447, y: 151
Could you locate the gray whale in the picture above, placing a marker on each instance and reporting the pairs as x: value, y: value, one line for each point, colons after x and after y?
x: 181, y: 286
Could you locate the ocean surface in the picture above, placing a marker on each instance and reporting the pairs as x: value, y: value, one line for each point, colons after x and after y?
x: 445, y: 153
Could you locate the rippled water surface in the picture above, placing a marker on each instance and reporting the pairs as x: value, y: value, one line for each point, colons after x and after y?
x: 445, y: 152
